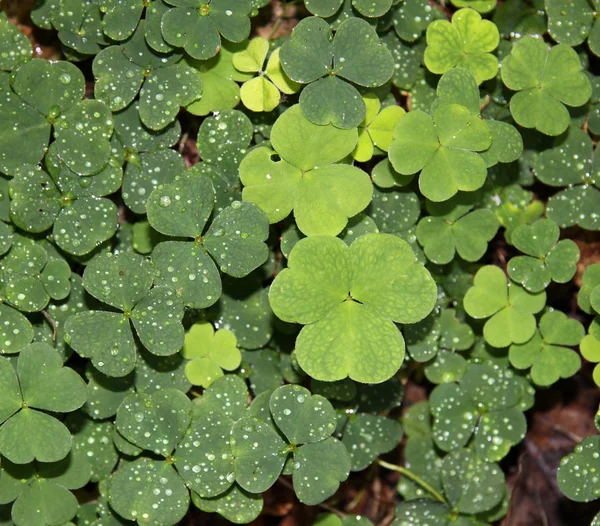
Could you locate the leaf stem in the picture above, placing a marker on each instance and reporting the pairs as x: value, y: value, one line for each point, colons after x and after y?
x: 52, y: 322
x: 413, y: 477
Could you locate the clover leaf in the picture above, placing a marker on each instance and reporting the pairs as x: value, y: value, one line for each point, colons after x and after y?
x: 546, y: 353
x: 40, y: 383
x: 16, y: 48
x: 124, y: 282
x: 576, y: 473
x: 376, y: 131
x: 467, y: 42
x: 42, y: 491
x: 338, y: 296
x: 197, y: 25
x: 235, y: 238
x: 163, y: 82
x: 305, y: 180
x: 410, y: 19
x: 573, y: 23
x: 545, y: 79
x: 547, y: 258
x: 327, y: 8
x: 16, y: 331
x: 235, y: 505
x: 355, y: 54
x: 120, y: 17
x: 578, y: 203
x: 451, y: 228
x: 590, y: 281
x: 210, y: 353
x: 509, y: 306
x: 484, y: 405
x: 262, y: 93
x: 443, y: 148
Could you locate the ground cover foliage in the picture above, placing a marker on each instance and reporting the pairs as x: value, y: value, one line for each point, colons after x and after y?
x: 185, y: 332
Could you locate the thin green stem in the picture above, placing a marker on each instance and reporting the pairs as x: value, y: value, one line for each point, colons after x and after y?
x: 413, y: 477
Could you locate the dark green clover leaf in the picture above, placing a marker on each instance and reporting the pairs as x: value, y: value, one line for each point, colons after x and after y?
x: 197, y: 25
x: 94, y: 440
x: 155, y: 422
x: 120, y: 17
x: 547, y: 258
x: 509, y: 306
x: 15, y: 46
x: 573, y: 22
x: 452, y: 228
x: 39, y: 384
x: 577, y: 473
x: 164, y: 83
x: 367, y: 8
x: 446, y: 367
x: 41, y: 491
x: 148, y: 491
x: 235, y: 505
x: 305, y: 180
x: 545, y: 79
x: 410, y: 19
x: 160, y: 372
x: 220, y: 91
x: 348, y: 298
x: 546, y: 353
x: 16, y: 331
x: 571, y: 163
x: 124, y: 282
x: 467, y: 42
x: 79, y: 26
x: 235, y: 239
x: 30, y: 278
x: 483, y: 405
x: 105, y: 393
x: 263, y: 369
x: 73, y: 206
x: 443, y: 148
x: 209, y: 353
x: 311, y: 56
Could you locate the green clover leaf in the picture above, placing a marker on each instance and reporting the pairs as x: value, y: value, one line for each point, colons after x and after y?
x: 545, y: 79
x: 452, y: 228
x: 573, y: 23
x: 327, y: 288
x: 355, y: 54
x: 235, y: 238
x: 210, y: 353
x: 41, y: 491
x: 484, y: 405
x: 508, y: 305
x: 545, y: 353
x: 262, y: 93
x: 410, y: 19
x: 327, y: 8
x: 590, y: 281
x: 547, y: 258
x: 578, y: 203
x: 40, y: 383
x: 163, y: 82
x: 197, y: 25
x: 16, y: 48
x: 120, y: 17
x: 467, y: 42
x: 124, y: 282
x: 305, y: 180
x: 235, y: 505
x: 443, y: 148
x: 575, y: 473
x: 16, y: 331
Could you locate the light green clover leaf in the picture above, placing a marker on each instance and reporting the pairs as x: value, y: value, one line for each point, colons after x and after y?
x: 590, y: 281
x: 40, y: 383
x: 452, y: 228
x: 120, y: 17
x: 124, y: 282
x: 590, y: 349
x: 546, y: 352
x: 220, y: 91
x: 545, y: 79
x: 509, y: 306
x: 547, y: 258
x: 467, y: 42
x: 327, y: 288
x: 355, y: 54
x: 305, y: 180
x: 443, y: 148
x: 41, y: 491
x: 481, y: 6
x: 484, y: 405
x: 197, y: 25
x: 163, y: 82
x: 261, y: 93
x: 235, y: 238
x: 210, y: 353
x: 578, y: 203
x: 331, y: 519
x: 16, y: 48
x: 376, y: 131
x: 577, y: 471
